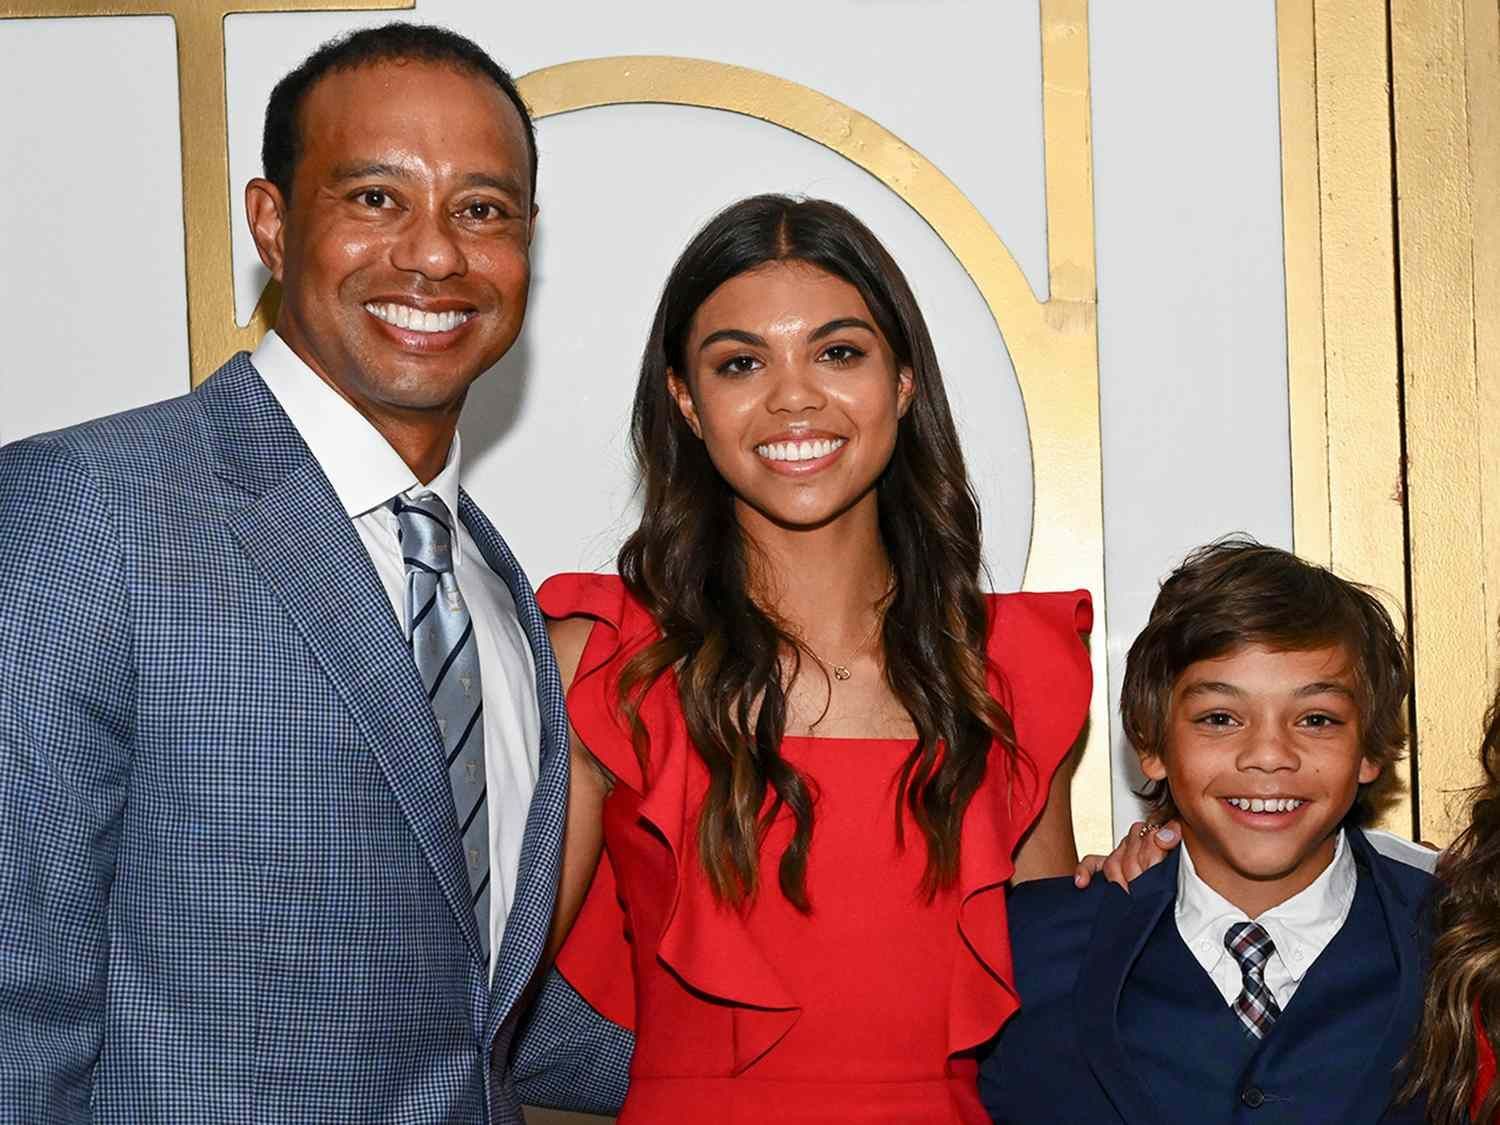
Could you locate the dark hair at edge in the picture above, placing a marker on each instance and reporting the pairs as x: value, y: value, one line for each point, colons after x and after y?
x: 687, y: 563
x: 281, y: 143
x: 1236, y: 592
x: 1465, y: 972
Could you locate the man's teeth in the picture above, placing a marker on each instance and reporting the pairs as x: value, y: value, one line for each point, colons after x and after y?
x: 799, y: 450
x: 415, y: 320
x: 1267, y: 804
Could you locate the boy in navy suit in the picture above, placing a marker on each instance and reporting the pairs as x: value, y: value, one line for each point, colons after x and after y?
x: 1270, y: 970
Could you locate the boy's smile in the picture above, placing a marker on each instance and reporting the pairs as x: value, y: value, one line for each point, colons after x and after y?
x: 1264, y: 758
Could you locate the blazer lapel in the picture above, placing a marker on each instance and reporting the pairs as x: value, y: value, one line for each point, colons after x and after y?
x: 530, y: 917
x: 1403, y: 918
x: 1123, y: 925
x: 297, y: 534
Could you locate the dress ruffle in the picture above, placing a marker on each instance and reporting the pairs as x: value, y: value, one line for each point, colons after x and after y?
x: 1039, y: 670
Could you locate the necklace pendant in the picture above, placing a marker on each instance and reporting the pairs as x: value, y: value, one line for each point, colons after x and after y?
x: 841, y: 673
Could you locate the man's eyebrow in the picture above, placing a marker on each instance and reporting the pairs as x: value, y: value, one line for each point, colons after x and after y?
x: 372, y: 169
x: 1324, y: 687
x: 838, y: 325
x: 1210, y: 687
x: 506, y: 183
x: 736, y: 334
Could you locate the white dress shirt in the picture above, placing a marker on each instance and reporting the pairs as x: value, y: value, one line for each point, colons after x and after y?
x: 1301, y: 927
x: 366, y: 473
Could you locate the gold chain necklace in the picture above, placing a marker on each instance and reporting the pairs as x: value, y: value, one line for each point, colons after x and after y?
x: 841, y: 672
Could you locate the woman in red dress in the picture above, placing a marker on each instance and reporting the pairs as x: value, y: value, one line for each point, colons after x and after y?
x: 809, y: 752
x: 1453, y: 1062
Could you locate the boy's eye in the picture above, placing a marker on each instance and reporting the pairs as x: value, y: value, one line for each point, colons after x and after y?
x: 1321, y: 721
x: 1217, y: 719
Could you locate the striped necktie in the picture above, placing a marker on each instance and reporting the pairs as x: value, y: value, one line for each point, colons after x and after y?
x: 1250, y: 945
x: 447, y: 657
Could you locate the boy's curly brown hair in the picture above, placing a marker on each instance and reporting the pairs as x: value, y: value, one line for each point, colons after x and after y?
x: 1236, y: 592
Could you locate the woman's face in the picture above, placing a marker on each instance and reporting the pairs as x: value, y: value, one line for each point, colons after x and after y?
x: 794, y: 392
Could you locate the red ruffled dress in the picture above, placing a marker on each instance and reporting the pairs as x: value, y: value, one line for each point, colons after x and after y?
x: 868, y: 1009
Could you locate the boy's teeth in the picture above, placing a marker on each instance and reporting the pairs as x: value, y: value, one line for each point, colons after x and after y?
x: 798, y: 450
x: 1266, y: 804
x: 415, y: 320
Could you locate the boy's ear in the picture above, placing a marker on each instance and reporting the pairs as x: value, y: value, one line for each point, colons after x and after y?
x: 1156, y: 770
x: 1369, y: 770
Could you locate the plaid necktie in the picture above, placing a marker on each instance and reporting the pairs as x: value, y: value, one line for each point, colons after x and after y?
x: 1250, y: 945
x: 442, y: 642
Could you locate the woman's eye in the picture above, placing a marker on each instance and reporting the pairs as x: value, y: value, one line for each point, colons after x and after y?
x: 738, y: 365
x: 841, y: 355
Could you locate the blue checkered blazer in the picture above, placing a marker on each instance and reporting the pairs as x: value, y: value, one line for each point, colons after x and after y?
x: 231, y: 884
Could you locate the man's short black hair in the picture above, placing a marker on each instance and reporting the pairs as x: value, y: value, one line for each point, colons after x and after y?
x: 281, y: 146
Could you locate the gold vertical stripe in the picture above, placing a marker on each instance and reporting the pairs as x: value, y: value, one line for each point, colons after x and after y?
x: 1482, y: 41
x: 1451, y: 626
x: 1301, y: 214
x: 1347, y: 503
x: 1067, y: 544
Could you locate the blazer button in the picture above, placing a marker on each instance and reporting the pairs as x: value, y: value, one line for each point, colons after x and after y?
x: 1253, y: 1097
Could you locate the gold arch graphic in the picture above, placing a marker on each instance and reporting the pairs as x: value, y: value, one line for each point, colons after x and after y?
x: 1052, y: 343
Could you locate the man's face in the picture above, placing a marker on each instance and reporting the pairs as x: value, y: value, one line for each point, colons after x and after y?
x: 1264, y: 758
x: 403, y: 253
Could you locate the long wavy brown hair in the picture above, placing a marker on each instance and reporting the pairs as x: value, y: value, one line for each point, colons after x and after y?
x: 688, y: 564
x: 1465, y: 970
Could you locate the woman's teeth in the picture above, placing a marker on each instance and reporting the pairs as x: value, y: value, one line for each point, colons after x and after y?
x: 1267, y: 804
x: 415, y: 320
x: 799, y: 450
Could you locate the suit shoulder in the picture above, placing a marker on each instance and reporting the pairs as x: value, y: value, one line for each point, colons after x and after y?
x: 133, y: 444
x: 1052, y: 919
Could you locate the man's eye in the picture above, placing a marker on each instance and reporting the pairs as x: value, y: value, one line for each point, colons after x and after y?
x: 373, y: 197
x: 483, y: 212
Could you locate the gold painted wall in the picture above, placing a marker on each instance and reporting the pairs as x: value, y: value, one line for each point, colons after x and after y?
x: 1391, y: 192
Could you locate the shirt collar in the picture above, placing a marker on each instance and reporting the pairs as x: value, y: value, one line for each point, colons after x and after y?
x: 1301, y: 927
x: 360, y: 464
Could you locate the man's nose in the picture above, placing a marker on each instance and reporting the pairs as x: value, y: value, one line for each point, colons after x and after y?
x: 429, y: 246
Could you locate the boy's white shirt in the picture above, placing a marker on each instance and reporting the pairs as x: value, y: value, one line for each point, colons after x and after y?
x: 1301, y: 927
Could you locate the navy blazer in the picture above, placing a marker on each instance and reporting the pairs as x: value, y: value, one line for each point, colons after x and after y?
x: 232, y: 885
x: 1061, y: 1057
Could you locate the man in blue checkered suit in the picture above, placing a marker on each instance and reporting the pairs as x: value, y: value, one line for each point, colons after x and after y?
x: 283, y: 754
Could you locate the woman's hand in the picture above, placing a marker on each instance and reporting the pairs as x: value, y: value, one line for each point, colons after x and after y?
x: 1142, y: 849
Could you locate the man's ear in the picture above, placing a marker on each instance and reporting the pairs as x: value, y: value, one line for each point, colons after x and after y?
x: 678, y: 389
x: 531, y: 223
x: 906, y: 387
x: 265, y: 208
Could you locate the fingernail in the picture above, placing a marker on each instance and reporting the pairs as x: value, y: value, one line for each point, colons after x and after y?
x: 1166, y: 836
x: 1078, y: 880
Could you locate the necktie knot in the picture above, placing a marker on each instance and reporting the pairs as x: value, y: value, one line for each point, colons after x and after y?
x: 1250, y: 946
x: 425, y: 532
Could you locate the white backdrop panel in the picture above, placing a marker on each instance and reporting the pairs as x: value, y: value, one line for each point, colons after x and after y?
x: 1192, y: 299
